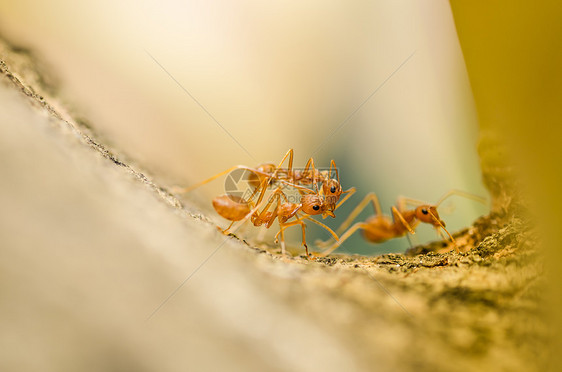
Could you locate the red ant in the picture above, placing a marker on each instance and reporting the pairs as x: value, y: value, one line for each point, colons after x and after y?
x: 331, y: 188
x: 311, y: 203
x: 380, y: 227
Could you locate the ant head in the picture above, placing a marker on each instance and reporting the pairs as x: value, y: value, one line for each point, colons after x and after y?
x: 428, y: 214
x: 314, y: 204
x: 332, y: 191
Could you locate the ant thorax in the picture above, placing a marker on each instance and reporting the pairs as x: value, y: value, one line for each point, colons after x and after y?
x: 428, y: 214
x: 286, y: 211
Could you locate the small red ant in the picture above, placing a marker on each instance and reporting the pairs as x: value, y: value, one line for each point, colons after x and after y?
x: 310, y: 204
x: 379, y: 227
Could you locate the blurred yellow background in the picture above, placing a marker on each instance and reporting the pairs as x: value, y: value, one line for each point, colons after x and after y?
x: 274, y: 76
x: 513, y: 53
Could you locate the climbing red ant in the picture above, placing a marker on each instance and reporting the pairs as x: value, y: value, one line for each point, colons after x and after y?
x: 380, y: 227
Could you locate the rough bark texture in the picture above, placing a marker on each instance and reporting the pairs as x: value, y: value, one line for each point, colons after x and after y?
x: 102, y: 269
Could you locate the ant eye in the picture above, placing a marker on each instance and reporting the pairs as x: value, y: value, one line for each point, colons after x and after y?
x: 424, y: 211
x: 333, y: 189
x: 316, y: 207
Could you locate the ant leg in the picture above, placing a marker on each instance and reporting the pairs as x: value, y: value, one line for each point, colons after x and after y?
x: 181, y: 190
x: 301, y: 189
x: 396, y: 215
x: 254, y: 211
x: 276, y: 237
x: 283, y: 226
x: 444, y: 229
x: 263, y: 214
x: 267, y: 177
x: 310, y: 165
x: 260, y: 189
x: 370, y: 197
x: 349, y: 193
x: 444, y: 237
x: 307, y: 166
x: 225, y: 231
x: 344, y: 237
x: 333, y: 165
x: 334, y: 235
x: 410, y: 237
x: 264, y: 184
x: 314, y: 174
x: 289, y: 155
x: 282, y: 241
x: 303, y: 225
x: 283, y: 196
x: 299, y: 221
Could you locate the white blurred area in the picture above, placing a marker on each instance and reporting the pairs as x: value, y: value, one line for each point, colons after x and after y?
x: 275, y: 76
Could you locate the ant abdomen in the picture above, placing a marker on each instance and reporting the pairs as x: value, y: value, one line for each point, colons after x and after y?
x: 231, y: 207
x: 381, y: 229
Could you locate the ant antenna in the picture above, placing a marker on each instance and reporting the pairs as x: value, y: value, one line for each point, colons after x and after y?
x: 438, y: 221
x: 444, y: 197
x: 463, y: 194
